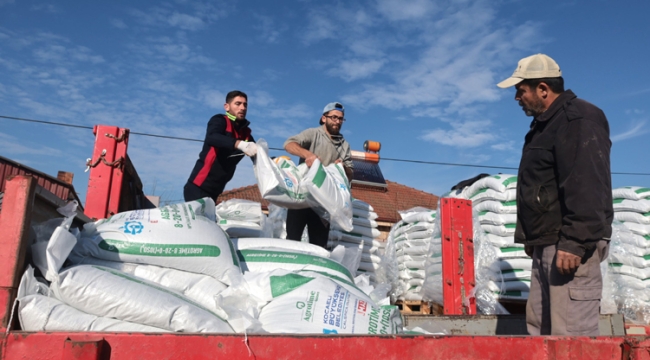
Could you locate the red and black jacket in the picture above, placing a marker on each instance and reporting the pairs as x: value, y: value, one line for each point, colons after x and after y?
x: 216, y: 164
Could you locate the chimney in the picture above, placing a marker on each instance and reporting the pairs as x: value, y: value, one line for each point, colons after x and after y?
x: 66, y: 177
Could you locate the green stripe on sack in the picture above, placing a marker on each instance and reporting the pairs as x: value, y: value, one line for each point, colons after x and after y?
x: 482, y: 213
x: 618, y: 201
x: 479, y: 192
x: 166, y: 250
x: 642, y: 190
x: 283, y: 284
x: 510, y: 271
x: 509, y: 181
x: 283, y: 257
x: 510, y: 249
x: 320, y: 176
x: 509, y: 203
x: 510, y: 226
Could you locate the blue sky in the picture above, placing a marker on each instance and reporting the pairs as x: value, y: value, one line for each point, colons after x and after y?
x: 417, y: 75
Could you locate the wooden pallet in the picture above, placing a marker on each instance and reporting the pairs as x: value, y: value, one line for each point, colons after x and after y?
x: 412, y: 307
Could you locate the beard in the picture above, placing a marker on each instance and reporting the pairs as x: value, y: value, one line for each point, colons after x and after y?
x: 332, y: 128
x: 534, y: 108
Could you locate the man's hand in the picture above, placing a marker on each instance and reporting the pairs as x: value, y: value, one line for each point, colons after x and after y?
x: 566, y: 262
x: 309, y: 160
x: 248, y: 148
x: 338, y: 161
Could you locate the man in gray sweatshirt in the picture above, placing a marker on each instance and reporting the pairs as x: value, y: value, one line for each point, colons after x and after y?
x: 326, y: 144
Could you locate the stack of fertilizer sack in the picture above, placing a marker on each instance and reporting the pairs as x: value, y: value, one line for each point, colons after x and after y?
x: 174, y: 269
x: 243, y: 218
x: 363, y: 236
x: 410, y: 241
x: 494, y: 205
x: 629, y: 254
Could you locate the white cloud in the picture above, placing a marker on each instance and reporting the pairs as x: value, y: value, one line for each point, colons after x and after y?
x: 504, y: 146
x: 401, y: 10
x: 213, y: 98
x: 192, y: 16
x: 269, y: 30
x: 350, y: 70
x: 637, y: 129
x: 45, y: 7
x: 185, y: 22
x: 118, y: 23
x: 462, y: 134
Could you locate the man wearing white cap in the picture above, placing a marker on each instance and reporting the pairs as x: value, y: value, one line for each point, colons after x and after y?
x: 328, y: 145
x: 564, y: 200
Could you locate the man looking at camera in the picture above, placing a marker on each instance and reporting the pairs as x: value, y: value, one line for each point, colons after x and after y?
x: 326, y: 144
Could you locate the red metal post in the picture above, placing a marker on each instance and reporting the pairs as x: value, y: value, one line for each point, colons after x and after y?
x: 457, y: 256
x: 15, y: 221
x: 106, y: 171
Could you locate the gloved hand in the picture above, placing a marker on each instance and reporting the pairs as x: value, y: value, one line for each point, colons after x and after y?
x: 249, y: 148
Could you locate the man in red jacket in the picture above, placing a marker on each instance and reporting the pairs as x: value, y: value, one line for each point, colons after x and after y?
x: 227, y: 139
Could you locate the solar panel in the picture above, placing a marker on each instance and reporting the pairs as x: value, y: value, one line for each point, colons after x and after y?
x: 368, y: 173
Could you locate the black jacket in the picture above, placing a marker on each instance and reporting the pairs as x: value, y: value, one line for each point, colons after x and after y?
x: 564, y: 190
x: 219, y: 158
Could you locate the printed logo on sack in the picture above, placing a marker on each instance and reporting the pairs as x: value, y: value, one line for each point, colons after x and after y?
x: 300, y: 305
x: 325, y: 331
x: 288, y: 182
x: 132, y: 227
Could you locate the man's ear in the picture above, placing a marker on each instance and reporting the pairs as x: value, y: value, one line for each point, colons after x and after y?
x: 543, y: 90
x: 226, y: 107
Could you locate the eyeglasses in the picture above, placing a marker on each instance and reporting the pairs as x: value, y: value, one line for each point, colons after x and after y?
x: 335, y: 118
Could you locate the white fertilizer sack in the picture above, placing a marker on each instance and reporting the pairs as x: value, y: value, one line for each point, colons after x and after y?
x: 499, y: 207
x: 499, y: 183
x: 363, y: 213
x: 618, y: 268
x: 197, y: 287
x: 640, y: 229
x: 311, y: 303
x: 364, y: 222
x: 500, y: 230
x: 110, y: 293
x: 329, y: 190
x: 631, y: 192
x: 236, y: 228
x: 424, y: 216
x: 404, y: 228
x: 640, y: 218
x: 257, y: 260
x: 516, y: 263
x: 240, y: 210
x: 502, y: 241
x: 38, y: 312
x: 361, y: 230
x: 493, y: 195
x: 181, y: 236
x: 265, y: 243
x: 511, y: 252
x: 490, y: 218
x: 279, y: 181
x: 640, y: 206
x: 362, y: 205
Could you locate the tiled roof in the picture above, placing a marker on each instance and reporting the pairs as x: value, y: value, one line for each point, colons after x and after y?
x: 385, y: 201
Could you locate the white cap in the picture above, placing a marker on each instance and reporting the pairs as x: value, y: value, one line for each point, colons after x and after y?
x: 533, y: 67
